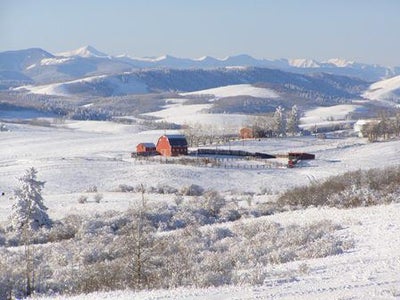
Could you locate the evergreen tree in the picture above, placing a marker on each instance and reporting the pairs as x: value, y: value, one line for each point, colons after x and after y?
x: 279, y: 121
x: 28, y: 209
x: 293, y: 121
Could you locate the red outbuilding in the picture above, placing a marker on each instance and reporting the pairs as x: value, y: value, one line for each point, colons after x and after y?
x: 172, y: 145
x: 146, y: 149
x: 246, y: 133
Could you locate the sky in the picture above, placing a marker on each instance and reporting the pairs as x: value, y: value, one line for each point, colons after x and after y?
x: 359, y: 30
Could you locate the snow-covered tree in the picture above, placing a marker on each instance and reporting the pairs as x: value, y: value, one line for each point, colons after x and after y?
x: 28, y: 208
x: 28, y: 215
x: 279, y: 121
x: 293, y: 121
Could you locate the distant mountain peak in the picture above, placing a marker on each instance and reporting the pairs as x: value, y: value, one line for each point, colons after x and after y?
x: 86, y: 51
x: 303, y: 63
x: 239, y: 56
x: 340, y: 62
x: 206, y: 58
x: 164, y: 57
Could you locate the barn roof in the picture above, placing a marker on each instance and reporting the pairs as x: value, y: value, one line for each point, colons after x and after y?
x: 177, y: 140
x: 148, y: 145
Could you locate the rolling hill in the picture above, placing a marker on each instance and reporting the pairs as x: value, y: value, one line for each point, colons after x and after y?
x: 322, y: 88
x: 385, y: 90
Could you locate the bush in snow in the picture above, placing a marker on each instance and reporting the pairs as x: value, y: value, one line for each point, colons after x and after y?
x: 229, y: 213
x: 11, y: 275
x: 3, y: 127
x: 213, y: 202
x: 124, y: 188
x: 166, y: 189
x: 352, y: 189
x: 178, y: 200
x: 65, y: 229
x: 192, y: 190
x: 98, y: 197
x: 91, y: 189
x: 82, y: 199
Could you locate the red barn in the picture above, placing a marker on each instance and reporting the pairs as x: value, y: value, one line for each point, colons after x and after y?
x: 146, y: 149
x: 172, y: 145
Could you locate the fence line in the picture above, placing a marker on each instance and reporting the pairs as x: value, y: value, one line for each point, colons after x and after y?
x: 207, y: 162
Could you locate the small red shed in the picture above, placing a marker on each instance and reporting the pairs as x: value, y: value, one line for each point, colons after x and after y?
x: 172, y: 145
x: 146, y: 149
x: 246, y: 133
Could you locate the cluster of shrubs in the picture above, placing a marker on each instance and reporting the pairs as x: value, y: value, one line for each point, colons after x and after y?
x: 190, y: 190
x: 170, y: 244
x: 352, y: 189
x: 140, y: 249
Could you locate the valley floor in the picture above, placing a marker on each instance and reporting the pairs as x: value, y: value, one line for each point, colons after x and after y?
x: 75, y: 156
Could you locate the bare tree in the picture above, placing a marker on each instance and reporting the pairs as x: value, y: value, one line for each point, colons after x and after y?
x: 140, y: 243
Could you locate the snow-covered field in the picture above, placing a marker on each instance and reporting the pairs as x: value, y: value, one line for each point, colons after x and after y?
x: 79, y: 154
x: 76, y: 155
x: 369, y: 271
x: 327, y: 115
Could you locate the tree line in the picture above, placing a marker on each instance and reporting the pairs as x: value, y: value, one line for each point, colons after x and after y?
x: 382, y: 128
x: 280, y: 124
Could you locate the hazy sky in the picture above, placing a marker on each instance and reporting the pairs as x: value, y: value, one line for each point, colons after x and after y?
x: 362, y: 30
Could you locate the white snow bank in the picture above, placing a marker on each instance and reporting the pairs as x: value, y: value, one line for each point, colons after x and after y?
x: 100, y: 127
x: 172, y: 112
x: 331, y: 113
x: 176, y: 111
x: 237, y: 90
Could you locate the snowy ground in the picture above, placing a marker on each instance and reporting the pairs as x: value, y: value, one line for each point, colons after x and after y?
x: 323, y: 116
x: 236, y: 90
x: 369, y: 271
x: 74, y: 156
x: 77, y: 155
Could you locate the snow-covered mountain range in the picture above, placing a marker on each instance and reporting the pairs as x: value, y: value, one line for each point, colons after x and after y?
x: 41, y: 66
x: 87, y: 71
